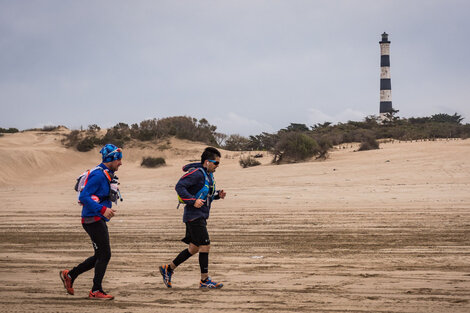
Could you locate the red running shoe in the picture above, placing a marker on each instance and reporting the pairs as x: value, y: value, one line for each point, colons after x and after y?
x: 67, y: 280
x: 99, y: 295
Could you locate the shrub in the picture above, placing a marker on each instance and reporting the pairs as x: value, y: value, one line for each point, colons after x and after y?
x: 296, y: 127
x: 86, y: 144
x: 182, y: 127
x: 152, y: 162
x: 117, y: 135
x: 369, y: 143
x: 446, y: 118
x: 365, y: 132
x: 72, y: 139
x: 248, y: 161
x: 49, y: 128
x: 295, y: 146
x: 360, y: 135
x: 263, y: 141
x: 220, y: 138
x: 147, y: 130
x: 92, y: 129
x: 237, y: 143
x: 164, y: 146
x: 324, y: 144
x: 9, y: 130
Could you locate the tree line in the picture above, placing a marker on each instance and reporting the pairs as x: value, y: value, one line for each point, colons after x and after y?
x: 182, y: 127
x: 296, y: 142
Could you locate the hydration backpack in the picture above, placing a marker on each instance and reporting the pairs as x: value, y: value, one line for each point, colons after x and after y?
x: 203, y: 193
x: 114, y: 192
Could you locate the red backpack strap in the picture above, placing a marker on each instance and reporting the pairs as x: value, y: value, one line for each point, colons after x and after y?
x: 86, y: 180
x: 107, y: 175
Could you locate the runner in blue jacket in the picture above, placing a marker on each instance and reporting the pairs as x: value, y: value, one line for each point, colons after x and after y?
x: 196, y: 189
x: 96, y: 211
x: 189, y: 185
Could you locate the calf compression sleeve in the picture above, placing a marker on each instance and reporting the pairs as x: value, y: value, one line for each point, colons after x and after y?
x: 204, y: 262
x: 183, y: 256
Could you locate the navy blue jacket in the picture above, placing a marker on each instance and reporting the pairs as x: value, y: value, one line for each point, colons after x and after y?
x: 189, y: 185
x: 95, y: 195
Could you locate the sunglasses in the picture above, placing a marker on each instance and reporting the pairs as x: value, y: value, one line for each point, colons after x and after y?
x: 213, y: 161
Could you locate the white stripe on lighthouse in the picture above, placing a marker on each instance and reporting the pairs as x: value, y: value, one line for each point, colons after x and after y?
x: 385, y: 95
x: 385, y: 72
x: 385, y: 49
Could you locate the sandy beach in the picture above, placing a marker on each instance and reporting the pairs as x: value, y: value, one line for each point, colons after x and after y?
x: 386, y: 230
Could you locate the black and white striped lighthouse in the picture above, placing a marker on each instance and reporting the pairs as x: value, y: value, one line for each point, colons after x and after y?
x: 385, y: 80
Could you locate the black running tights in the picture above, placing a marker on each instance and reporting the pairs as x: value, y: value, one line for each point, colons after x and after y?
x: 98, y: 232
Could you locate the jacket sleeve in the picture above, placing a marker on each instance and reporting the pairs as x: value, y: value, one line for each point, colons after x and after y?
x: 92, y: 187
x: 185, y: 183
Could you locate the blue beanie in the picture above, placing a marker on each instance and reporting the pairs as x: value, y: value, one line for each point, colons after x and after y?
x: 110, y: 153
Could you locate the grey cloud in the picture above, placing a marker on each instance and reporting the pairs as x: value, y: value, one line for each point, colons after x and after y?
x: 269, y: 62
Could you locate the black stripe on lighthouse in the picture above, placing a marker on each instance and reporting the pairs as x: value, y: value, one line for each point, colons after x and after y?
x: 385, y: 84
x: 385, y: 60
x: 385, y: 106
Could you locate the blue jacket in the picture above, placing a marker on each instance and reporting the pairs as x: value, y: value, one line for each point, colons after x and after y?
x: 188, y: 186
x: 96, y: 186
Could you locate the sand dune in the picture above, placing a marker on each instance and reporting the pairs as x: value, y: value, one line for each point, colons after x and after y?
x: 375, y: 231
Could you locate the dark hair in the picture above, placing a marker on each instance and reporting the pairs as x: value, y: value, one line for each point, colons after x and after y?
x: 209, y: 153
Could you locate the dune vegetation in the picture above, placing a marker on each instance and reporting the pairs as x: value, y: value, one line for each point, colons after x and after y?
x: 295, y: 143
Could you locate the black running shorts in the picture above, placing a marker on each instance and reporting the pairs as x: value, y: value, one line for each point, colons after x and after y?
x: 196, y: 233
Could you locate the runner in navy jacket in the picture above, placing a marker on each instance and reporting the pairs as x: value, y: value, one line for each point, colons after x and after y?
x: 96, y: 212
x: 187, y: 188
x: 197, y: 190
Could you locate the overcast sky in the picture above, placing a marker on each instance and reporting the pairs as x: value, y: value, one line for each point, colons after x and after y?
x: 246, y: 66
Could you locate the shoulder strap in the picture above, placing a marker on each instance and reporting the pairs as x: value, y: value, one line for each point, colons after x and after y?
x: 108, y: 176
x: 205, y: 174
x: 106, y: 173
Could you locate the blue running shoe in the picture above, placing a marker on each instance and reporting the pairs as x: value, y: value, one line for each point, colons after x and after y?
x: 166, y: 272
x: 210, y: 284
